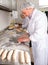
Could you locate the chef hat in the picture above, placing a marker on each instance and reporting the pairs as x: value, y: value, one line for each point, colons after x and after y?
x: 27, y: 5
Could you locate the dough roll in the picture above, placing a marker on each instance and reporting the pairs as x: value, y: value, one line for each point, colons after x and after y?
x: 14, y: 56
x: 1, y: 51
x: 27, y: 57
x: 4, y: 54
x: 21, y: 57
x: 9, y: 56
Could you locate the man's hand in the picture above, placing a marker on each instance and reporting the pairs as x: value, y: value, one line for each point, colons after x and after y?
x: 23, y: 39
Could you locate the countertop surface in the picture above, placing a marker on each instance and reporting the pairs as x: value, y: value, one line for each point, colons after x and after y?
x: 8, y: 40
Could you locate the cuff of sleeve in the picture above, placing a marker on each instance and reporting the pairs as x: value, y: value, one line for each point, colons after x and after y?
x: 32, y: 39
x: 26, y: 31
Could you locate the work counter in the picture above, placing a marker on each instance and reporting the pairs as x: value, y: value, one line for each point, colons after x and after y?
x: 8, y: 41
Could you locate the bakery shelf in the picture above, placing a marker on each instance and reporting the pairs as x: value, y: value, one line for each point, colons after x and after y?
x: 5, y: 8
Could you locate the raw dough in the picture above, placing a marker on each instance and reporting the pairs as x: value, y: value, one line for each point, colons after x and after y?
x: 21, y: 57
x: 1, y: 51
x: 9, y: 56
x: 27, y: 57
x: 14, y: 56
x: 4, y: 54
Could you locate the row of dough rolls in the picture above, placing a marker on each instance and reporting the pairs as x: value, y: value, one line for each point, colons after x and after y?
x: 23, y: 56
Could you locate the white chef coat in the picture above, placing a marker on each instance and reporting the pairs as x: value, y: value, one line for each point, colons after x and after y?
x: 37, y: 28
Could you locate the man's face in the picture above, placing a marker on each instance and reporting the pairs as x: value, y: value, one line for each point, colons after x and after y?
x: 26, y: 12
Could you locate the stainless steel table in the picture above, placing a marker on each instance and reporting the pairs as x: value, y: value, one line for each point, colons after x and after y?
x: 8, y: 40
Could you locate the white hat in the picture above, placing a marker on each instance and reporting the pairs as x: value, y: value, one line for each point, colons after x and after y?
x: 27, y: 5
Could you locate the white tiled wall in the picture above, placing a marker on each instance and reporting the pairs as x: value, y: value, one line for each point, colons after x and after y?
x: 6, y: 3
x: 4, y: 19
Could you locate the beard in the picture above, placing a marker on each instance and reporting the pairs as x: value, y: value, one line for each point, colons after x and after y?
x: 25, y: 22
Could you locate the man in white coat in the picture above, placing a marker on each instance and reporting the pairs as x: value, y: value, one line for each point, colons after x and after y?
x: 35, y: 22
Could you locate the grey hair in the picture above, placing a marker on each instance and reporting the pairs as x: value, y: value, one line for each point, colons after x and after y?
x: 27, y: 5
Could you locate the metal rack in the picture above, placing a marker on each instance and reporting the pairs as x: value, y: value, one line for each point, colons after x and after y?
x: 5, y: 8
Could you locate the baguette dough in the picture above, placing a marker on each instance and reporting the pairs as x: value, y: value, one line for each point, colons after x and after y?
x: 11, y: 27
x: 1, y: 51
x: 14, y: 56
x: 21, y: 57
x: 4, y: 54
x: 27, y: 57
x: 9, y: 56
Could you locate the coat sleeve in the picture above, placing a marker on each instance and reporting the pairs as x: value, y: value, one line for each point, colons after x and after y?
x: 40, y: 29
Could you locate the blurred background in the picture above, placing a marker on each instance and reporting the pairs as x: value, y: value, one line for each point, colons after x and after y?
x: 15, y: 5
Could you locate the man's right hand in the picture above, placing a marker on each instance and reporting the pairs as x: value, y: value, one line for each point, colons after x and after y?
x: 23, y: 39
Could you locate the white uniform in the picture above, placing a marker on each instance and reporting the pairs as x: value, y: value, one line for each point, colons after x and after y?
x: 47, y: 49
x: 37, y: 28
